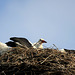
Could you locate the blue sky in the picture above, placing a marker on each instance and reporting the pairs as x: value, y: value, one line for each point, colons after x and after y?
x: 52, y: 20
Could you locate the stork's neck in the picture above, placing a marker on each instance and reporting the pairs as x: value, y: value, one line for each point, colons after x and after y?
x: 38, y: 45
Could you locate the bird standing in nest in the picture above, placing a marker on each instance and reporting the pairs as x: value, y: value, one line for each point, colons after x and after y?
x: 20, y: 42
x: 16, y: 41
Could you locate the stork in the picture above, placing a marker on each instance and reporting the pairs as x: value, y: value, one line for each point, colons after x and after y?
x: 16, y: 41
x: 3, y: 48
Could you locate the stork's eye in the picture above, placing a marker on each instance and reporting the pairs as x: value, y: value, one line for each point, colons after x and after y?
x: 40, y: 40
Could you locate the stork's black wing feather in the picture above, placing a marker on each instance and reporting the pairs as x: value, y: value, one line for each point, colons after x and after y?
x: 11, y: 44
x: 22, y: 41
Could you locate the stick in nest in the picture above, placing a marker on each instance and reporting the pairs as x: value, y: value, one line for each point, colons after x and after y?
x: 46, y: 59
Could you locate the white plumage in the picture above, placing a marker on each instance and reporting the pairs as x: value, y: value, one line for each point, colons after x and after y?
x: 16, y: 41
x: 38, y: 45
x: 62, y: 50
x: 20, y: 42
x: 3, y: 48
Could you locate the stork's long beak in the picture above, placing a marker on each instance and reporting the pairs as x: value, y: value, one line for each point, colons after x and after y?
x: 43, y: 41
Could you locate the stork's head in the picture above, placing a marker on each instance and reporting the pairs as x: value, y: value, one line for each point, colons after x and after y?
x: 38, y: 45
x: 42, y: 41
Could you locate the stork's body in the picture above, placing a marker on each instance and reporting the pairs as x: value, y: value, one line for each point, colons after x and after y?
x: 37, y: 45
x: 20, y: 42
x: 16, y: 41
x: 3, y: 48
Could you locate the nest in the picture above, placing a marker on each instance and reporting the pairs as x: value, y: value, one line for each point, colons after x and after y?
x: 37, y: 62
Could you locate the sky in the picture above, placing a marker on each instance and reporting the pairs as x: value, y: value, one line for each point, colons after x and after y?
x: 52, y: 20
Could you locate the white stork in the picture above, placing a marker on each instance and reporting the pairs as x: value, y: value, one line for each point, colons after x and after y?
x: 3, y: 48
x: 16, y: 41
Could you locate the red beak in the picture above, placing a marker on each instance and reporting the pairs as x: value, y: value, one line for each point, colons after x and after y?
x: 43, y: 41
